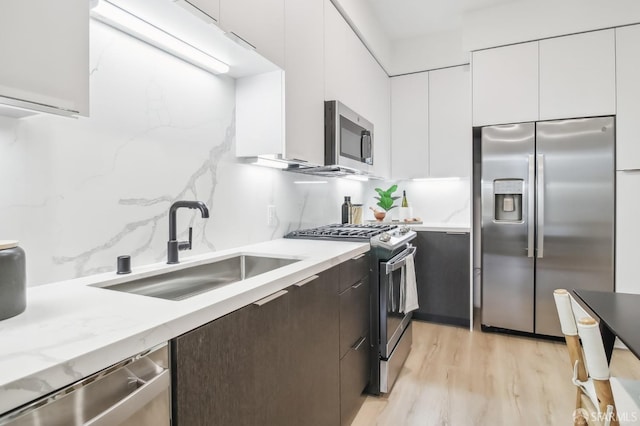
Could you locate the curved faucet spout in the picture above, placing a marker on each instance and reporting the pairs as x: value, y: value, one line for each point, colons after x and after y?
x: 173, y: 246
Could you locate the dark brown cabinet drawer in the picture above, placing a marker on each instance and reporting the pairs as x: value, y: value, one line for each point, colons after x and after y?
x: 353, y: 270
x: 354, y: 376
x: 354, y: 314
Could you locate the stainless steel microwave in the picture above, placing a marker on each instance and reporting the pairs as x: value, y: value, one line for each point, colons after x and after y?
x: 348, y: 137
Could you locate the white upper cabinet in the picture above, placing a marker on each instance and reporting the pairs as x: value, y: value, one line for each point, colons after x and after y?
x: 44, y: 46
x: 304, y: 87
x: 628, y: 97
x: 450, y: 134
x: 577, y: 75
x: 410, y: 126
x: 260, y: 114
x: 505, y: 84
x: 259, y: 23
x: 431, y: 124
x: 205, y: 8
x: 353, y: 77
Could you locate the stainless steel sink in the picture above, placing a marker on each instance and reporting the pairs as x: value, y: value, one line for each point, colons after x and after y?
x: 179, y: 285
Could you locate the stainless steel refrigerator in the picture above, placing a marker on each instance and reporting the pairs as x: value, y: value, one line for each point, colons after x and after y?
x: 547, y: 218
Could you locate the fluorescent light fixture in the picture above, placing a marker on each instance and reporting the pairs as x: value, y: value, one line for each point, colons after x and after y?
x: 357, y: 177
x: 450, y: 179
x: 274, y: 164
x: 309, y: 182
x: 118, y: 18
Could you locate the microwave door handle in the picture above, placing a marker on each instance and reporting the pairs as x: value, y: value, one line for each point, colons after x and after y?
x: 365, y: 146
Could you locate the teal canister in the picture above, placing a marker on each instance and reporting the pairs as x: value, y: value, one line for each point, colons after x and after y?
x: 13, y: 282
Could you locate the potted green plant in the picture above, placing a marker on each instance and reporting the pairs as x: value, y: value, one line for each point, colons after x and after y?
x: 385, y: 201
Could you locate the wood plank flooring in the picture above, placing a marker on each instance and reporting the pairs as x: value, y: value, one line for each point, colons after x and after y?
x: 455, y: 377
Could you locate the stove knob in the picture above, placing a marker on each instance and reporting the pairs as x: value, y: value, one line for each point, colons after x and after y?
x: 385, y: 237
x: 404, y: 229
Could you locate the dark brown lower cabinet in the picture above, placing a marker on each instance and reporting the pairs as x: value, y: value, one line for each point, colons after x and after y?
x: 315, y: 364
x: 354, y: 377
x: 270, y: 363
x: 354, y: 347
x: 443, y: 275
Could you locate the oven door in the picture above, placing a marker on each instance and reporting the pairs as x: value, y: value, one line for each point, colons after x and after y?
x: 393, y: 321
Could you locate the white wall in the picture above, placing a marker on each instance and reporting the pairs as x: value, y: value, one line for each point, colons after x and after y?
x: 435, y: 50
x: 79, y: 192
x: 527, y: 20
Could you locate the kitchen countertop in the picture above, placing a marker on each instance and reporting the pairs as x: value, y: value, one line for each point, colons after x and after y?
x: 71, y: 329
x: 430, y: 226
x: 440, y: 227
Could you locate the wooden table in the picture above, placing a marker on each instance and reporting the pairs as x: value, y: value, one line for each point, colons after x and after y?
x: 619, y: 315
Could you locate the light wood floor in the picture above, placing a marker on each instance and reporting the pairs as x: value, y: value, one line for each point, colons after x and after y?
x: 456, y: 377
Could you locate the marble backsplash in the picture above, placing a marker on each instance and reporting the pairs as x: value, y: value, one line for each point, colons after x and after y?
x: 79, y: 192
x: 443, y: 201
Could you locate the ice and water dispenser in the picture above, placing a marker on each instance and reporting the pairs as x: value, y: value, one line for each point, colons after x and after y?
x: 507, y: 196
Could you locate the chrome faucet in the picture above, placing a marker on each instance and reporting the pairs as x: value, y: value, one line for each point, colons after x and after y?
x: 173, y: 246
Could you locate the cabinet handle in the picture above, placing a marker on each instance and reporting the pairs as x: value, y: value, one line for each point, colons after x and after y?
x: 455, y: 233
x: 630, y: 170
x: 357, y: 285
x: 242, y: 42
x: 306, y: 281
x: 360, y: 342
x: 360, y: 256
x: 268, y: 299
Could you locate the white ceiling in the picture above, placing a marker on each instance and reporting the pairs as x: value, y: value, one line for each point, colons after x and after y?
x: 411, y: 18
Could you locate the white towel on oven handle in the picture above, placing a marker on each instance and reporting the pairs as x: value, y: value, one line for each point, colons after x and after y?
x: 409, y: 286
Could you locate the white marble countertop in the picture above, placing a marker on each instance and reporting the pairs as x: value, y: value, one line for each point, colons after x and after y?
x: 72, y: 329
x: 432, y: 226
x: 440, y: 227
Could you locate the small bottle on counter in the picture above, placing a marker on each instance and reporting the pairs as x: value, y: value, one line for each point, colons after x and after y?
x: 404, y: 212
x: 404, y: 199
x: 346, y: 210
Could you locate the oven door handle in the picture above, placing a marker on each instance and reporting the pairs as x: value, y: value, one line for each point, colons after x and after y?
x: 399, y: 261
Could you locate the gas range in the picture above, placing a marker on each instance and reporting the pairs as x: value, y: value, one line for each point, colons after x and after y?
x: 342, y: 232
x: 382, y: 235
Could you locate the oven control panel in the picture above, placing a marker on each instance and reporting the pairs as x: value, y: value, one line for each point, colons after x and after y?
x: 393, y: 238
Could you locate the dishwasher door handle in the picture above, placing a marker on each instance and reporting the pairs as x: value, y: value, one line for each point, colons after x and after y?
x: 132, y: 403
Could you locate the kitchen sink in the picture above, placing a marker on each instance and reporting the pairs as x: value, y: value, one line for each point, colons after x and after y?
x: 180, y: 285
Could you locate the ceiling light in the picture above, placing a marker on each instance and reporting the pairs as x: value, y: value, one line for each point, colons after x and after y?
x: 118, y: 18
x: 357, y: 177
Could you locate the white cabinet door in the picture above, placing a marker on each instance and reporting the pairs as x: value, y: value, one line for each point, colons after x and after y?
x: 259, y: 23
x: 304, y: 81
x: 410, y: 126
x: 505, y: 84
x: 353, y: 77
x: 44, y: 46
x: 209, y: 8
x: 627, y: 231
x: 260, y: 114
x: 577, y: 75
x: 628, y: 97
x: 450, y: 132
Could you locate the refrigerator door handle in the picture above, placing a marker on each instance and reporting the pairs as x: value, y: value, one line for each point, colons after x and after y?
x: 540, y: 205
x: 530, y: 206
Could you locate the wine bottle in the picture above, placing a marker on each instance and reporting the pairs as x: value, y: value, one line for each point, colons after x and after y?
x: 346, y: 210
x: 404, y: 199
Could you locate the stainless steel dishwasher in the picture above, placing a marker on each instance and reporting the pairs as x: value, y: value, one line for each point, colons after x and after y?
x: 135, y: 391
